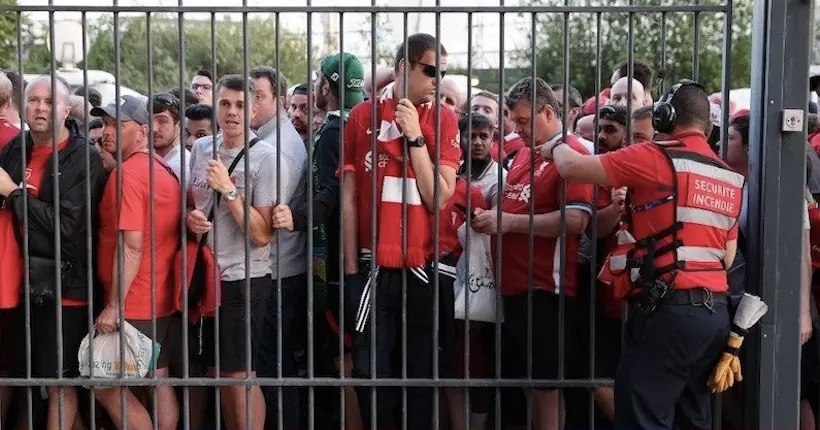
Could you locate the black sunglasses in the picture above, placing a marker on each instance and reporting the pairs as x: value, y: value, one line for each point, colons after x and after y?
x: 430, y: 70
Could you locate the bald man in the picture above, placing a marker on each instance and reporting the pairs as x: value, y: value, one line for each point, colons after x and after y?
x: 451, y: 96
x: 618, y: 95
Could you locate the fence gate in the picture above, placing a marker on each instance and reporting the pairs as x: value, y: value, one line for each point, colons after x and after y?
x: 286, y: 329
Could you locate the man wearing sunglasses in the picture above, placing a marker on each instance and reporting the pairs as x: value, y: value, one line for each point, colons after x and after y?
x: 407, y: 142
x: 166, y: 127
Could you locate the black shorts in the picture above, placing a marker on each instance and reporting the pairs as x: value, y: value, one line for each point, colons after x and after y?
x: 44, y: 354
x: 233, y: 326
x: 545, y: 325
x: 168, y: 336
x: 607, y: 346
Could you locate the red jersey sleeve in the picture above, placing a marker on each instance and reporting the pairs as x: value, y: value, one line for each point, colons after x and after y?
x: 580, y: 196
x: 134, y: 201
x: 351, y: 138
x: 449, y: 138
x: 634, y: 166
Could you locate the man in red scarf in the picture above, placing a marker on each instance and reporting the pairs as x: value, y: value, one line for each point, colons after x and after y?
x: 399, y: 147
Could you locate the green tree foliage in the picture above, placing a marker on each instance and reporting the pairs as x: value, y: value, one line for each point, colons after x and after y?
x: 8, y: 36
x: 648, y: 45
x: 165, y: 52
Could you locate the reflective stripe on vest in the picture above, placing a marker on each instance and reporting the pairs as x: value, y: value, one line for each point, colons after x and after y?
x: 707, y: 204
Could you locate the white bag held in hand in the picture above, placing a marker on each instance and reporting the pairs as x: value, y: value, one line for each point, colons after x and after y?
x: 479, y: 278
x: 140, y: 354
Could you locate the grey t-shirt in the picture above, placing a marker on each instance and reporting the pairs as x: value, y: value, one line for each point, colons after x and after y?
x: 289, y: 258
x: 260, y: 184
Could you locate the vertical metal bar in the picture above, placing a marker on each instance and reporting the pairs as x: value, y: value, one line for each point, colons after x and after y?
x: 662, y: 67
x: 726, y: 76
x: 499, y: 198
x: 341, y: 309
x: 279, y: 354
x: 183, y: 197
x: 696, y: 43
x: 26, y: 280
x: 405, y: 166
x: 593, y: 260
x: 214, y: 233
x: 468, y: 160
x: 152, y: 217
x: 309, y: 175
x: 89, y: 239
x: 631, y: 72
x: 562, y: 238
x: 247, y: 213
x: 436, y: 224
x: 776, y: 183
x: 55, y: 166
x: 531, y: 214
x: 120, y: 239
x: 373, y: 219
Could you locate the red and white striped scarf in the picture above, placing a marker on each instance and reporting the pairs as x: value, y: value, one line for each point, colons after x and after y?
x: 390, y: 178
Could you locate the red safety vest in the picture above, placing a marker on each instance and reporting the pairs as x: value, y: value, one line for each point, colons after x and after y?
x: 700, y: 209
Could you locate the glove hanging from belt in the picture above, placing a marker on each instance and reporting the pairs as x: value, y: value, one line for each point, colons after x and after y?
x: 727, y: 371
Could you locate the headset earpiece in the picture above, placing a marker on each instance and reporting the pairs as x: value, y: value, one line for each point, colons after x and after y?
x: 664, y: 116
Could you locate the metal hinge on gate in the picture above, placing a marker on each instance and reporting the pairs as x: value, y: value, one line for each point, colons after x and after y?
x: 793, y: 120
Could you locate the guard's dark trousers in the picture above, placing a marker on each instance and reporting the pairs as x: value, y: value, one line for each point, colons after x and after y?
x: 666, y: 361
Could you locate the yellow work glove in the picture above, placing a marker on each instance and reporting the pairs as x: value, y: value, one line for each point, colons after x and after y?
x: 727, y: 371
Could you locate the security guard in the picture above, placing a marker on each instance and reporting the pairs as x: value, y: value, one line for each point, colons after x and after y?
x: 680, y: 232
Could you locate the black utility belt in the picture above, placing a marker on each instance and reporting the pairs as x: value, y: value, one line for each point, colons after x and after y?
x: 693, y: 296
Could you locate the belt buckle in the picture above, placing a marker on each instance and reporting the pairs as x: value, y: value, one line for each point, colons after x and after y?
x: 708, y: 302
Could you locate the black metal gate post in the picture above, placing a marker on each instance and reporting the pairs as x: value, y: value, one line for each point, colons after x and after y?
x: 781, y: 46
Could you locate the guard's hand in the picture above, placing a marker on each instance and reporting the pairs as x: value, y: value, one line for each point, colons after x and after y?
x: 619, y: 198
x: 109, y: 319
x: 805, y: 327
x: 197, y: 222
x: 407, y: 117
x: 282, y: 218
x: 217, y: 177
x: 486, y: 221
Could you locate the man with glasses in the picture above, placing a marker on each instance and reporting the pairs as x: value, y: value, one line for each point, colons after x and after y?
x: 405, y: 124
x: 203, y: 85
x: 166, y: 131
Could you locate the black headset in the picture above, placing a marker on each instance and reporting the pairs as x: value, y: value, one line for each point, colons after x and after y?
x: 664, y: 116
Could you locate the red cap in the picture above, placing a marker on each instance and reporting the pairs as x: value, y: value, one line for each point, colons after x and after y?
x: 589, y: 107
x: 740, y: 113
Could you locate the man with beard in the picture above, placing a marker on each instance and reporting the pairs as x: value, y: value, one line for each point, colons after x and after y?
x: 330, y: 88
x: 298, y: 110
x: 165, y: 108
x: 612, y: 128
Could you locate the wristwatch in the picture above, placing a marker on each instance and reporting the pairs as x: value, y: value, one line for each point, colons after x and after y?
x: 418, y: 143
x: 231, y: 195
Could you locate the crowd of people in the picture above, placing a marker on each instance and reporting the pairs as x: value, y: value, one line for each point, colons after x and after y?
x: 499, y: 172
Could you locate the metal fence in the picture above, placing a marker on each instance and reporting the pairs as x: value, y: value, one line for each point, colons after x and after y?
x: 779, y: 75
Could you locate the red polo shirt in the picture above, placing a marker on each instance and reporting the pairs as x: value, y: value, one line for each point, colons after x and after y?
x: 545, y: 194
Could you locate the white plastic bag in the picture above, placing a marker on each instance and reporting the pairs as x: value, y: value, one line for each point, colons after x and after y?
x: 476, y: 278
x: 140, y: 354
